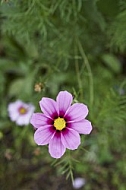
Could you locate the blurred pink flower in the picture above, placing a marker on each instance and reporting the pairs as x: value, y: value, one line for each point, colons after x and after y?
x: 78, y: 182
x: 60, y: 124
x: 20, y: 112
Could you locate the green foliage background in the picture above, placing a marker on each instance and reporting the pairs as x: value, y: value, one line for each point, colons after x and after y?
x: 74, y: 45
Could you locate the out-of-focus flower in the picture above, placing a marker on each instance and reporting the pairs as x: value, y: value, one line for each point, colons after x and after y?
x: 60, y: 124
x: 78, y: 182
x: 20, y: 112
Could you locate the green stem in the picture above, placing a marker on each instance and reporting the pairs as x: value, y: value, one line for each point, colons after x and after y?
x: 86, y: 62
x: 77, y: 71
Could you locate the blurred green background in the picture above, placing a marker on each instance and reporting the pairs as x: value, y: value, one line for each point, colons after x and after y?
x: 74, y: 45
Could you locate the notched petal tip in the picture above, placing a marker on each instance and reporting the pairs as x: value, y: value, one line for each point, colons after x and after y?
x: 48, y: 106
x: 56, y: 148
x: 77, y: 112
x: 56, y: 155
x: 42, y: 136
x: 33, y: 119
x: 70, y: 139
x: 64, y: 100
x: 65, y: 94
x: 88, y: 127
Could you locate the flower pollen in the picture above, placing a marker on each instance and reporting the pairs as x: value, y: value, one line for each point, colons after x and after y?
x: 59, y: 123
x: 22, y: 110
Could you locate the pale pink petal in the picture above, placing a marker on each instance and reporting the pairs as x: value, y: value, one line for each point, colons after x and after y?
x: 76, y: 112
x: 70, y: 139
x: 49, y: 107
x: 14, y: 115
x: 39, y: 120
x: 42, y: 135
x: 31, y: 109
x: 14, y: 106
x: 83, y: 127
x: 78, y: 182
x: 26, y: 119
x: 64, y: 100
x: 27, y: 116
x: 13, y: 110
x: 56, y: 148
x: 21, y: 120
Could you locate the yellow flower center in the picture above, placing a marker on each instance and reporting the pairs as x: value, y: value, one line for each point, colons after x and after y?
x: 22, y: 110
x: 59, y: 123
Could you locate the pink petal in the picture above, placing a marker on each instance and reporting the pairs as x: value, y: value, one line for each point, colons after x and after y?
x: 19, y: 121
x: 83, y: 127
x: 78, y: 182
x: 56, y: 148
x: 23, y: 120
x: 76, y: 112
x: 43, y: 135
x: 13, y: 110
x: 26, y: 119
x: 14, y: 106
x: 39, y: 120
x: 64, y: 100
x: 49, y: 107
x: 14, y: 115
x: 70, y: 139
x: 31, y: 109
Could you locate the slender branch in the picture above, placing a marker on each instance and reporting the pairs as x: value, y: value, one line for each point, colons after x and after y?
x: 78, y: 71
x: 86, y: 62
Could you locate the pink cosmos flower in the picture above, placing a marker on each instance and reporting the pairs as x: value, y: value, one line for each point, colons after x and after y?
x: 20, y: 112
x: 60, y: 124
